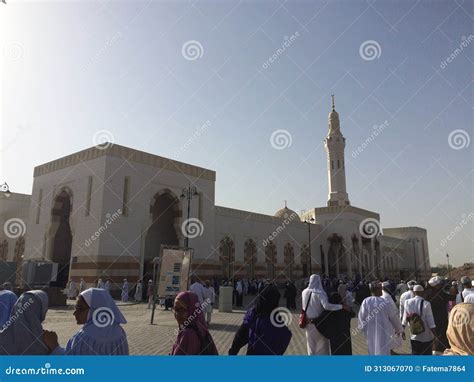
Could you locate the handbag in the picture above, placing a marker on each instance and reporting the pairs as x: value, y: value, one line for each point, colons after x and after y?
x: 303, y: 320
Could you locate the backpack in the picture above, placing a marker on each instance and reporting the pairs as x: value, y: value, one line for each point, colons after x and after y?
x: 417, y: 326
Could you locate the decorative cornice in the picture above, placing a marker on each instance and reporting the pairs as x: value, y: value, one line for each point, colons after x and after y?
x: 345, y: 209
x: 405, y: 229
x: 125, y: 153
x: 241, y: 214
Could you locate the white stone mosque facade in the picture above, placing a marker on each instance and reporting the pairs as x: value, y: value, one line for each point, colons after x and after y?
x: 104, y: 212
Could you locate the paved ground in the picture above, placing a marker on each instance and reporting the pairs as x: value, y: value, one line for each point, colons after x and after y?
x: 157, y: 339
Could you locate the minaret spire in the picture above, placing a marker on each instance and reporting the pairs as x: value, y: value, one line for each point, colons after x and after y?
x: 335, y: 144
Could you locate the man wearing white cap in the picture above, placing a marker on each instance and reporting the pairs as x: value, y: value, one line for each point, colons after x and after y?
x: 405, y: 296
x: 418, y: 315
x: 378, y: 321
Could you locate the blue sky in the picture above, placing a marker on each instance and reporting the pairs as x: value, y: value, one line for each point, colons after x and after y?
x: 71, y: 69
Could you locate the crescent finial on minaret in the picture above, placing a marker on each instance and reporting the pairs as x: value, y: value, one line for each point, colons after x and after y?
x: 333, y: 105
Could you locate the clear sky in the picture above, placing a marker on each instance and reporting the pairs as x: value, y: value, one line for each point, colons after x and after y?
x: 153, y: 73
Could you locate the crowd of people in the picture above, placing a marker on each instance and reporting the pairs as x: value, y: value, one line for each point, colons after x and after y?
x: 439, y: 315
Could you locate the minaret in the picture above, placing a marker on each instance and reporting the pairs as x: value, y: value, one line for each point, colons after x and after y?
x: 335, y: 144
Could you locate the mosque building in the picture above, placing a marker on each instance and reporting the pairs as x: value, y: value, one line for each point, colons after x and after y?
x: 105, y: 212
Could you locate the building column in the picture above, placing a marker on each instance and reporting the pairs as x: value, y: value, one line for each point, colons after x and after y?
x: 326, y: 263
x: 349, y: 263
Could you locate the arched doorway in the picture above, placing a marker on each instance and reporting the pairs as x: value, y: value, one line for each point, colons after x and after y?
x: 19, y: 252
x: 61, y: 236
x: 227, y: 250
x: 4, y: 250
x: 165, y: 213
x: 270, y: 260
x: 250, y: 252
x: 335, y: 255
x: 305, y: 260
x: 289, y: 257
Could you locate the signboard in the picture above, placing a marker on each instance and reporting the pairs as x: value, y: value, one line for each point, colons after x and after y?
x: 175, y: 266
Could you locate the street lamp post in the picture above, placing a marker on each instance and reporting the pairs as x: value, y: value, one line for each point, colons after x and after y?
x: 449, y: 270
x: 5, y: 189
x: 413, y: 241
x: 188, y: 193
x: 309, y: 222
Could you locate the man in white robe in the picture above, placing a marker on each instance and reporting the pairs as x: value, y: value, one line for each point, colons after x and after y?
x: 72, y: 292
x: 125, y: 290
x: 378, y: 321
x: 209, y: 300
x: 315, y: 301
x: 421, y: 344
x: 138, y: 291
x: 197, y: 287
x: 100, y: 284
x: 396, y: 339
x: 107, y: 286
x: 82, y: 286
x: 467, y: 287
x: 406, y: 295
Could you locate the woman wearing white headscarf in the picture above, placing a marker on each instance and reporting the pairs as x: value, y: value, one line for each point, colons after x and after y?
x: 101, y: 333
x: 22, y: 334
x: 314, y: 302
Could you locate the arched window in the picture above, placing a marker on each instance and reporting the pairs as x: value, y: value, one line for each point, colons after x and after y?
x: 227, y: 250
x: 305, y: 260
x: 4, y: 250
x: 250, y: 253
x: 289, y: 257
x: 270, y: 259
